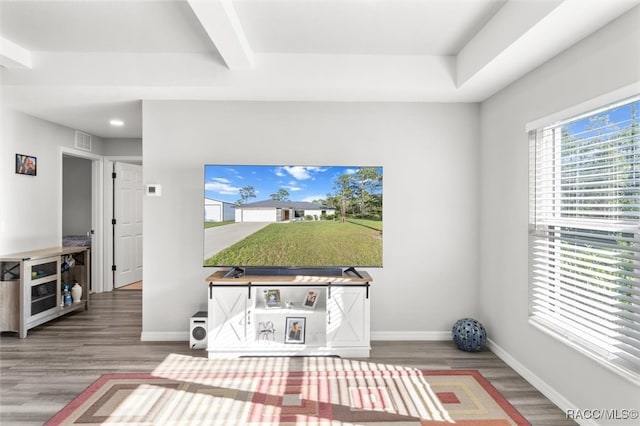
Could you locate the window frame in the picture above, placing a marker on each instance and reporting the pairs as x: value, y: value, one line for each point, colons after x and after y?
x: 556, y: 229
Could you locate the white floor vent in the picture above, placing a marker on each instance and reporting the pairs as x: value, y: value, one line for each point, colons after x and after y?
x: 83, y: 141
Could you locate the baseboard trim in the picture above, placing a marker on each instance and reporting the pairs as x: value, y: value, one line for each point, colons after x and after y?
x: 410, y: 335
x: 164, y: 336
x: 554, y: 396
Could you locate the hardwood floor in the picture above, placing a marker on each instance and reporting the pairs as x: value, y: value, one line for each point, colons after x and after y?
x: 39, y: 375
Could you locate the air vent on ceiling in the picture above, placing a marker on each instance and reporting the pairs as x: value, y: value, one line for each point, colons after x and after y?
x: 83, y: 141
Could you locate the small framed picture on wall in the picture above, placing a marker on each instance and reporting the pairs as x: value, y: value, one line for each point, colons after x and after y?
x: 26, y: 164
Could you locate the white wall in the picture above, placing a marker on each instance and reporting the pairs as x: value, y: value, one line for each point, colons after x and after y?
x: 30, y: 206
x: 602, y: 63
x: 429, y: 153
x: 130, y: 147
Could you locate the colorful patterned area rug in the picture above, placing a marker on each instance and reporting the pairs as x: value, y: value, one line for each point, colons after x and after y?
x: 400, y: 396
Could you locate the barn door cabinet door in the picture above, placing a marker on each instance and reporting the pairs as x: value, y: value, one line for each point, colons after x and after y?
x: 230, y: 317
x: 347, y: 317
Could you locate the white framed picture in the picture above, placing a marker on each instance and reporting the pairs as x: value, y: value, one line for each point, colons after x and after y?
x: 272, y: 298
x: 311, y: 299
x: 295, y: 327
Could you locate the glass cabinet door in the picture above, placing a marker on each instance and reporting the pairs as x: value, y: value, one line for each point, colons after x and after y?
x: 43, y: 270
x: 44, y: 297
x: 44, y: 284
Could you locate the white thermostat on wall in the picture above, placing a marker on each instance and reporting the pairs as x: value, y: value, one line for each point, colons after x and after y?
x: 154, y: 190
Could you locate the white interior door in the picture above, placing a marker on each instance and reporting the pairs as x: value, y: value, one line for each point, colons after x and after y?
x: 128, y: 193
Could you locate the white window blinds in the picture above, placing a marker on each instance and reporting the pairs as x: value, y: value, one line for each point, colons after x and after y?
x: 584, y: 236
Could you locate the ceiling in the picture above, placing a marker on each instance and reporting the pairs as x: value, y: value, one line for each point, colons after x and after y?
x: 81, y: 63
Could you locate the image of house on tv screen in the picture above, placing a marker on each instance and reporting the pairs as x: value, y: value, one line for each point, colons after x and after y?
x: 292, y: 216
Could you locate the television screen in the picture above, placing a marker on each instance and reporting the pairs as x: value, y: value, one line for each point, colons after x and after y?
x: 292, y: 216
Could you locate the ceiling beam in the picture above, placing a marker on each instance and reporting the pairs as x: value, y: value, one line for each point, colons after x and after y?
x: 524, y: 35
x: 221, y: 23
x: 500, y: 34
x: 13, y: 56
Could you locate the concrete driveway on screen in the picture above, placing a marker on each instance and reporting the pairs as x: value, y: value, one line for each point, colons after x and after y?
x: 221, y: 237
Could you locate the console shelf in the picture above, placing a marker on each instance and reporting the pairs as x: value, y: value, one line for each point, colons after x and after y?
x: 31, y: 286
x: 242, y: 323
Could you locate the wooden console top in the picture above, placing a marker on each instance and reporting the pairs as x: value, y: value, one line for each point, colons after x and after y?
x: 346, y: 278
x: 42, y: 253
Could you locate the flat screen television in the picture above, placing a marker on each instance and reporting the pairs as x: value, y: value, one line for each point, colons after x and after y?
x: 292, y: 217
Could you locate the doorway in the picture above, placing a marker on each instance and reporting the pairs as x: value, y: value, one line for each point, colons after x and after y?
x: 81, y: 207
x: 76, y: 200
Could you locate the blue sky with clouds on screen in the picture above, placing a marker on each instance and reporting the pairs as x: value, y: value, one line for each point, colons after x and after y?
x: 304, y: 183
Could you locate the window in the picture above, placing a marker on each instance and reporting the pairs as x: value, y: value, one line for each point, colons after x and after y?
x: 584, y: 233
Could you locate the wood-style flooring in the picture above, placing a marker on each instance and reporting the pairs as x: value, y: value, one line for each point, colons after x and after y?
x: 39, y: 375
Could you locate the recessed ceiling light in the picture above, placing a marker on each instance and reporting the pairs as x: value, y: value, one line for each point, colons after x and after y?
x: 116, y: 123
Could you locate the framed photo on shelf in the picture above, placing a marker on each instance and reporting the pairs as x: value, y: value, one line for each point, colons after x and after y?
x: 311, y: 299
x: 272, y: 298
x: 295, y: 327
x: 26, y: 164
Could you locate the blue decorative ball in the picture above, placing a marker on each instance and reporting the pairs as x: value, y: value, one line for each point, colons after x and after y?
x: 469, y: 335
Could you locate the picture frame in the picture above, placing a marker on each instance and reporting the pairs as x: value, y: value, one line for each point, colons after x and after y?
x: 311, y: 299
x: 272, y: 298
x: 295, y: 330
x: 26, y: 165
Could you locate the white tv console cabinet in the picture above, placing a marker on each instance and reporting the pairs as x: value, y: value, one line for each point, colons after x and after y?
x: 241, y: 323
